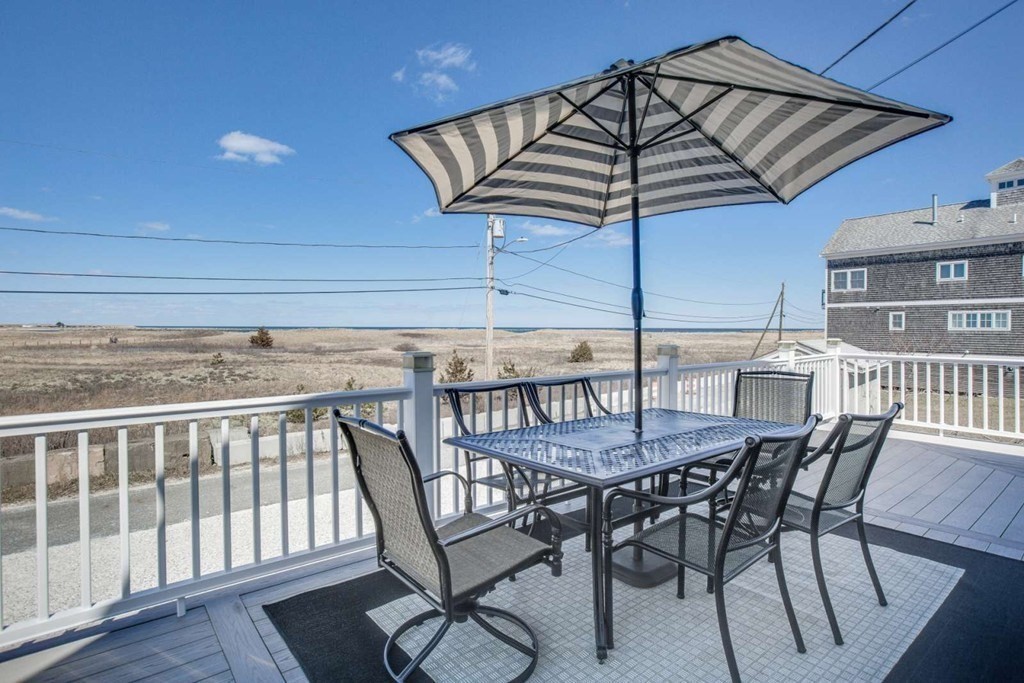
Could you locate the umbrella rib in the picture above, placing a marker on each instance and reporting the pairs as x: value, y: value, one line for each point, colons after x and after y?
x: 647, y: 104
x: 767, y: 188
x: 525, y: 148
x: 684, y: 118
x: 580, y: 138
x: 804, y: 96
x: 579, y: 109
x: 615, y: 160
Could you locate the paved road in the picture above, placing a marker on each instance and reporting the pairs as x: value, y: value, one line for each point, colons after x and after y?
x: 18, y: 523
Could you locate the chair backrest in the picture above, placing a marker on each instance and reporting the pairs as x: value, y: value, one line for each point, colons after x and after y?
x: 764, y: 485
x: 773, y: 395
x: 856, y: 442
x: 390, y: 481
x: 508, y: 399
x: 568, y: 394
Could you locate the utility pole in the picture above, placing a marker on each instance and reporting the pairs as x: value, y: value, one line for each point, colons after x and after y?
x: 495, y: 228
x: 782, y: 308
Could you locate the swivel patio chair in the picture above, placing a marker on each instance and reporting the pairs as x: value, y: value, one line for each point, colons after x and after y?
x: 450, y: 567
x: 853, y: 447
x: 763, y: 471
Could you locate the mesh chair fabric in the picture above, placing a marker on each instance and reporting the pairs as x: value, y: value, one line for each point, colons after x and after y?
x: 757, y: 505
x: 852, y: 461
x: 394, y: 492
x: 700, y: 542
x: 773, y: 396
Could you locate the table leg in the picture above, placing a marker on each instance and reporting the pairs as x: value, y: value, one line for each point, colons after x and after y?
x: 595, y: 499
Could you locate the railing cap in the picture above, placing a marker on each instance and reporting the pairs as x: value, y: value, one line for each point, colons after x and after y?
x: 670, y: 350
x: 418, y: 361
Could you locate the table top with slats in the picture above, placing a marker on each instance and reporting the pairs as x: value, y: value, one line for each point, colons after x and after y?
x: 604, y: 451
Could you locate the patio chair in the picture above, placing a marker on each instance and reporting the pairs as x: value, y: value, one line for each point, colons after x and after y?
x: 853, y: 446
x: 763, y: 471
x: 558, y: 391
x: 450, y: 567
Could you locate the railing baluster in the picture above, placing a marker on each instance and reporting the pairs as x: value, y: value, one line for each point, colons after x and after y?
x: 161, y: 506
x: 282, y: 457
x: 878, y: 386
x: 437, y: 459
x: 970, y: 396
x: 942, y: 394
x: 254, y: 457
x: 42, y: 537
x: 125, y: 529
x: 928, y: 393
x: 999, y: 377
x: 225, y: 487
x: 336, y: 477
x: 310, y: 482
x: 917, y: 394
x: 984, y: 397
x: 889, y: 365
x: 956, y: 395
x: 84, y: 533
x: 1, y: 553
x: 193, y: 481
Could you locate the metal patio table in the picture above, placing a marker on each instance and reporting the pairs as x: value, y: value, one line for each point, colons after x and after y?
x: 604, y: 452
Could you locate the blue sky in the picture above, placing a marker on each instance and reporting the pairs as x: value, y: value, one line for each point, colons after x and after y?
x: 269, y: 121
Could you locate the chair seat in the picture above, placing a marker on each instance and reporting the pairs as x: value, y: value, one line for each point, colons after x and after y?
x: 701, y: 541
x: 478, y: 563
x: 798, y: 515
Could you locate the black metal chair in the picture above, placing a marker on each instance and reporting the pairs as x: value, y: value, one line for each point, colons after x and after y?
x: 576, y: 392
x: 763, y: 471
x: 853, y: 447
x: 450, y: 567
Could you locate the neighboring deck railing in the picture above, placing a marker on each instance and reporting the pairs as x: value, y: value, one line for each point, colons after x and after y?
x: 281, y: 493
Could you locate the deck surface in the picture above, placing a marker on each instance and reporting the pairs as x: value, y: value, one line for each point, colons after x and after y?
x: 968, y: 497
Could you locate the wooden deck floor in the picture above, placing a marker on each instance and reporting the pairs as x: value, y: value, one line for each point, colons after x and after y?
x: 969, y: 497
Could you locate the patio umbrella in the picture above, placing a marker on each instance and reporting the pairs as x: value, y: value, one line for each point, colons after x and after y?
x: 712, y: 124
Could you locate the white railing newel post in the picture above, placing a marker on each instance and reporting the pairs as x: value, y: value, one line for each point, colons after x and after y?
x: 832, y: 347
x: 418, y: 377
x: 787, y: 352
x: 668, y: 384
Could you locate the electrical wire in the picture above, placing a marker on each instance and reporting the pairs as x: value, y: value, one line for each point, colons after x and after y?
x: 261, y: 243
x: 951, y: 40
x: 554, y: 246
x: 240, y: 293
x: 234, y: 279
x: 866, y: 38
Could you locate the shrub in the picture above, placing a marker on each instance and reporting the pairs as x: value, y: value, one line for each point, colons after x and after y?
x: 298, y: 415
x: 457, y: 370
x: 509, y: 370
x: 405, y: 347
x: 262, y: 339
x: 581, y: 353
x: 218, y: 359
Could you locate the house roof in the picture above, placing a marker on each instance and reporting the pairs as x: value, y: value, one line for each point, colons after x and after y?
x: 913, y: 230
x: 1012, y: 167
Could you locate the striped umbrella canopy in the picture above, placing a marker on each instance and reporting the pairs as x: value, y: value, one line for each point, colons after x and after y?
x: 712, y: 124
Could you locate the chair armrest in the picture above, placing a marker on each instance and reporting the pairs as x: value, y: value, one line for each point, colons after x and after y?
x: 441, y: 473
x: 824, y: 448
x: 556, y: 526
x: 681, y: 501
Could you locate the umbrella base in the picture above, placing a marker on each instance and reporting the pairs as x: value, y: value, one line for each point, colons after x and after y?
x: 647, y: 571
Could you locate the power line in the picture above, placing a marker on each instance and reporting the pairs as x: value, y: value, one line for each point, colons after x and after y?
x: 536, y: 268
x: 954, y: 38
x: 553, y: 246
x: 240, y: 293
x: 646, y: 293
x: 866, y: 38
x: 233, y: 279
x: 261, y: 243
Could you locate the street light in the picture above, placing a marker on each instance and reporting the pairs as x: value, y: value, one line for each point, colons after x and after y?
x: 495, y: 230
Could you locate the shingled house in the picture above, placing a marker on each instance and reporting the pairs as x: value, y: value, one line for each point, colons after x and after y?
x: 945, y: 279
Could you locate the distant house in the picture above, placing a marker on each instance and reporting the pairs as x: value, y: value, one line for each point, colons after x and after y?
x: 945, y: 279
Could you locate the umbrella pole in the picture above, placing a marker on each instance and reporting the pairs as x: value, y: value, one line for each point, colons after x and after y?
x: 638, y: 292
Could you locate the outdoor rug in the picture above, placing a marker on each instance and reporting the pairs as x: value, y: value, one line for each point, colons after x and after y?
x: 337, y: 633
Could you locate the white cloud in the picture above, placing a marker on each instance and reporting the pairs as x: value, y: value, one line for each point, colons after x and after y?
x: 548, y: 230
x: 447, y: 56
x: 155, y: 226
x: 612, y: 238
x: 437, y: 85
x: 398, y: 76
x: 239, y: 146
x: 432, y: 212
x: 23, y: 215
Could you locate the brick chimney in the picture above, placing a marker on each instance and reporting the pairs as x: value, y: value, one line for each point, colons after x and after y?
x: 1006, y: 184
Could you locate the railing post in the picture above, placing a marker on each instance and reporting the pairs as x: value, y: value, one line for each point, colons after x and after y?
x: 832, y: 346
x: 668, y: 384
x: 787, y: 353
x: 418, y: 376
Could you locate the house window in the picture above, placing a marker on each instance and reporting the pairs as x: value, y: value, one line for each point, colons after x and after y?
x: 979, y: 321
x: 949, y: 271
x: 1020, y: 182
x: 897, y: 321
x: 849, y: 280
x: 1009, y: 183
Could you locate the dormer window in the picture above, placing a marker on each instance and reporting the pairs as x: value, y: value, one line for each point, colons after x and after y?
x: 950, y: 271
x: 1005, y: 184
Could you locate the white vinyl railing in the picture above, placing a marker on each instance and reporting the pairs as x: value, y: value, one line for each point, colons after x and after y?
x: 197, y: 496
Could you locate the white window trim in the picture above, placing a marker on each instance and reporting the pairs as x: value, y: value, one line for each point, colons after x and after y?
x: 952, y: 266
x: 903, y: 321
x: 849, y: 279
x: 1008, y: 328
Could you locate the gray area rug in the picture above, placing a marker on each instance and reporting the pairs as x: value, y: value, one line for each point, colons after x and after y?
x: 658, y: 637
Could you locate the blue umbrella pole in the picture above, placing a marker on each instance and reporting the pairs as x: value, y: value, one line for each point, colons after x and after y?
x: 638, y: 292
